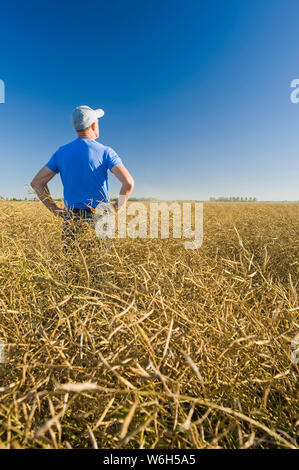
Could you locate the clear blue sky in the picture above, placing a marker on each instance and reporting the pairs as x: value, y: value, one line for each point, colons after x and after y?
x: 196, y: 93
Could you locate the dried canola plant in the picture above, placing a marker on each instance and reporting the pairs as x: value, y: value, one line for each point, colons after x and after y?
x: 150, y: 345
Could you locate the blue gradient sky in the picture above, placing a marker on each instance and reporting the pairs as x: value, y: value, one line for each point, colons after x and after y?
x: 196, y: 93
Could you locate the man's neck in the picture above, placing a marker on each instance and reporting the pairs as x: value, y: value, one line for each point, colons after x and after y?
x: 86, y: 135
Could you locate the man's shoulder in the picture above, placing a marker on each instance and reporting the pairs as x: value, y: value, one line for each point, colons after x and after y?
x: 83, y: 143
x: 99, y: 146
x: 67, y: 146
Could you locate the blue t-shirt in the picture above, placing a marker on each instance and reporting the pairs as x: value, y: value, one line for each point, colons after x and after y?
x: 83, y: 165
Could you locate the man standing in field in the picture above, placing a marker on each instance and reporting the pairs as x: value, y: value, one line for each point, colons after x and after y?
x: 83, y: 165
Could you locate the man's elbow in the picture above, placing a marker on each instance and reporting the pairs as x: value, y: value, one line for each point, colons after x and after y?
x: 130, y: 184
x: 34, y: 184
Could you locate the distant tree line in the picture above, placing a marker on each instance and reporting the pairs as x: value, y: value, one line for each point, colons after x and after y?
x: 30, y: 198
x: 145, y: 199
x: 13, y: 199
x: 233, y: 199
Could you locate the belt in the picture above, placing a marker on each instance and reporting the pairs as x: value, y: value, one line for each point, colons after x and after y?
x: 77, y: 214
x: 82, y: 211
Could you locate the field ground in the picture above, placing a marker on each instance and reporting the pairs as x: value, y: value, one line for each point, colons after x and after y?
x: 150, y: 345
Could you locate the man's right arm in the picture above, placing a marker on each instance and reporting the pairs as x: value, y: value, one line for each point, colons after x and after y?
x: 127, y: 187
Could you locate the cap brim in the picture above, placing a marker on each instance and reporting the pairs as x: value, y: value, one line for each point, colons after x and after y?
x: 100, y: 112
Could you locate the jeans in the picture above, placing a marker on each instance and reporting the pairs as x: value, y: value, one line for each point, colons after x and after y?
x: 73, y: 224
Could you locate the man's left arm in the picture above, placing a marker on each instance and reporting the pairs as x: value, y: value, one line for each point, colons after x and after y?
x: 40, y: 186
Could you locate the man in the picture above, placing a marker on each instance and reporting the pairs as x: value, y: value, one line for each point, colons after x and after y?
x: 83, y: 165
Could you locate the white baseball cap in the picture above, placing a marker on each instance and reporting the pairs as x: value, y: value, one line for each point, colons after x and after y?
x: 83, y: 116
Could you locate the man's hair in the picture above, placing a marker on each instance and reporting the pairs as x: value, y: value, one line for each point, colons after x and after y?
x: 86, y: 128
